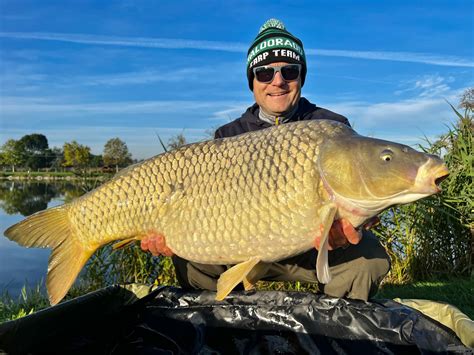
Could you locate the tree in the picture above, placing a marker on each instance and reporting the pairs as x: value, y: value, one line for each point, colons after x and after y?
x: 13, y: 153
x: 35, y: 143
x: 57, y: 158
x: 38, y: 154
x: 76, y: 155
x: 116, y: 153
x: 467, y: 99
x: 96, y: 161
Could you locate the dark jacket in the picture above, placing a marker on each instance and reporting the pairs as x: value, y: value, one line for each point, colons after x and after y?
x: 249, y: 121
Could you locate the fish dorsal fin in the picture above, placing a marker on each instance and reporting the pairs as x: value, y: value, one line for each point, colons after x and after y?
x: 326, y: 215
x: 232, y: 277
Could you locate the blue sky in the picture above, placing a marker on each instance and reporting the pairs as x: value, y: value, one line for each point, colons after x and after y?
x: 93, y: 70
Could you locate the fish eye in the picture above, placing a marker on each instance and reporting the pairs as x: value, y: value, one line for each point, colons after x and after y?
x: 386, y: 155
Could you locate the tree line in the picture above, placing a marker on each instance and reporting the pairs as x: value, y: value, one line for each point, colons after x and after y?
x: 32, y: 152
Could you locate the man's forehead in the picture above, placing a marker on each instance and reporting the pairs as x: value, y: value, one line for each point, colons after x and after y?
x: 277, y: 64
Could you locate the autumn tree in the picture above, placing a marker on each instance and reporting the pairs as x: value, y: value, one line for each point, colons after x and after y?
x: 116, y: 153
x: 76, y: 155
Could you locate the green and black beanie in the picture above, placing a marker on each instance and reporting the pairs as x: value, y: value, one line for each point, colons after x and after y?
x: 274, y: 44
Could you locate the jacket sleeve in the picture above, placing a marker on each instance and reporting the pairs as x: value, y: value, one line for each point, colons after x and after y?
x: 218, y: 133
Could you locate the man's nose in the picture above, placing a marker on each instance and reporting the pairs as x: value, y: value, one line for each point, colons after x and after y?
x: 278, y: 79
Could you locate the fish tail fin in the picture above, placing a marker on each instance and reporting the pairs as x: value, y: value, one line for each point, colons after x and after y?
x: 52, y: 229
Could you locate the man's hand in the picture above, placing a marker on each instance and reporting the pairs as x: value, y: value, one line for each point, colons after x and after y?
x: 155, y: 244
x: 342, y: 233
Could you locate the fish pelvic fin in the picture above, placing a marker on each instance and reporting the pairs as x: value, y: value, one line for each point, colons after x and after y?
x: 124, y: 243
x: 326, y: 214
x: 232, y: 277
x: 52, y: 229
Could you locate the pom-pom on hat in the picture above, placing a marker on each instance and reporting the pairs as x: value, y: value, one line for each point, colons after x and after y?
x: 275, y: 44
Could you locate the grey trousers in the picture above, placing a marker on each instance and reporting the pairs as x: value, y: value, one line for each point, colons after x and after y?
x: 356, y: 270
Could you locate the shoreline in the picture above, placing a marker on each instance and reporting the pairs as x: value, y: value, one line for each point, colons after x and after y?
x: 48, y: 177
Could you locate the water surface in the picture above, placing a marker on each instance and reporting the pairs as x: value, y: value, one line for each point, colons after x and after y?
x: 20, y: 265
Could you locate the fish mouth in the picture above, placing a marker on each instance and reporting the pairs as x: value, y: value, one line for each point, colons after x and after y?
x: 440, y: 175
x: 430, y: 176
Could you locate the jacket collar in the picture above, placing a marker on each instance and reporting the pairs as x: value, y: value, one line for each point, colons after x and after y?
x: 304, y: 108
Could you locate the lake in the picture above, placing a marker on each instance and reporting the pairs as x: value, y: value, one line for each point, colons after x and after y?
x: 20, y: 265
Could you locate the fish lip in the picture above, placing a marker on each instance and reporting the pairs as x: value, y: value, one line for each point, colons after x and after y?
x: 440, y: 175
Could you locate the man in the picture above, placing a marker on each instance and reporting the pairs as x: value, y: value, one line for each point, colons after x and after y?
x: 276, y: 71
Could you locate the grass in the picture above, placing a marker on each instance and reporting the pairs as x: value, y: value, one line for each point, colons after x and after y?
x: 456, y: 291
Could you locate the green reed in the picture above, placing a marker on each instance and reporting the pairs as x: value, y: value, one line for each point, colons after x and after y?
x: 433, y: 237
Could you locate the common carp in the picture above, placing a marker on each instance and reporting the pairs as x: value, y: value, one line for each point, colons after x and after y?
x: 247, y: 200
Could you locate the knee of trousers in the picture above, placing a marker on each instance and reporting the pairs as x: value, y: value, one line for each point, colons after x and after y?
x: 375, y: 268
x: 374, y: 261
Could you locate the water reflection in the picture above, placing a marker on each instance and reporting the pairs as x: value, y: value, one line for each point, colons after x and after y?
x: 19, y: 265
x: 25, y: 198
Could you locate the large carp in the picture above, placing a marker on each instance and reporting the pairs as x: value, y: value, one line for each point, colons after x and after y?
x: 254, y: 198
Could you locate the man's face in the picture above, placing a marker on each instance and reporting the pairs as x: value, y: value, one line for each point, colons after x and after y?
x: 279, y: 96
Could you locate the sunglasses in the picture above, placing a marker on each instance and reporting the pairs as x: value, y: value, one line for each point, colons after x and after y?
x: 266, y: 73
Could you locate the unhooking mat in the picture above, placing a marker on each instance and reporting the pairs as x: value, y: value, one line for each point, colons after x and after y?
x: 168, y: 320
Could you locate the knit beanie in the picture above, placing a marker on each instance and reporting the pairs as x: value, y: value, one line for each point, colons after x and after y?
x: 274, y: 44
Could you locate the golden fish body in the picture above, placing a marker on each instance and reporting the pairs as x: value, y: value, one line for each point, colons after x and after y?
x: 256, y: 197
x: 215, y: 202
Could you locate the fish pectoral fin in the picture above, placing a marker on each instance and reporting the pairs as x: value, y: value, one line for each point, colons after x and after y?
x: 124, y: 243
x: 232, y: 277
x: 327, y: 214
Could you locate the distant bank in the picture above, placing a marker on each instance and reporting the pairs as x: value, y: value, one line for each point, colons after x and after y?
x: 66, y: 175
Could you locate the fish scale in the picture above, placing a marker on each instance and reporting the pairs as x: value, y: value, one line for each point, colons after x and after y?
x: 246, y: 200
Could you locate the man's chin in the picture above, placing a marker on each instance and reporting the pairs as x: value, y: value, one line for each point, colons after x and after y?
x: 278, y: 110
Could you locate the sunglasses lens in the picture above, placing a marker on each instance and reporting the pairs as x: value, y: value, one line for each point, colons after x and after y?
x: 290, y: 72
x: 264, y: 75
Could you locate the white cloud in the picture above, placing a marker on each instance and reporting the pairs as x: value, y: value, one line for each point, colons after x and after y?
x: 427, y: 86
x: 129, y: 41
x: 230, y: 113
x: 396, y: 56
x: 406, y: 121
x: 168, y: 43
x: 32, y: 105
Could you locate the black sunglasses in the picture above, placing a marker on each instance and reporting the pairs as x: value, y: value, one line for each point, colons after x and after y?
x: 266, y: 73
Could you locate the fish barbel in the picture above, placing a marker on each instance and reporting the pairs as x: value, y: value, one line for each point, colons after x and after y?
x: 246, y: 200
